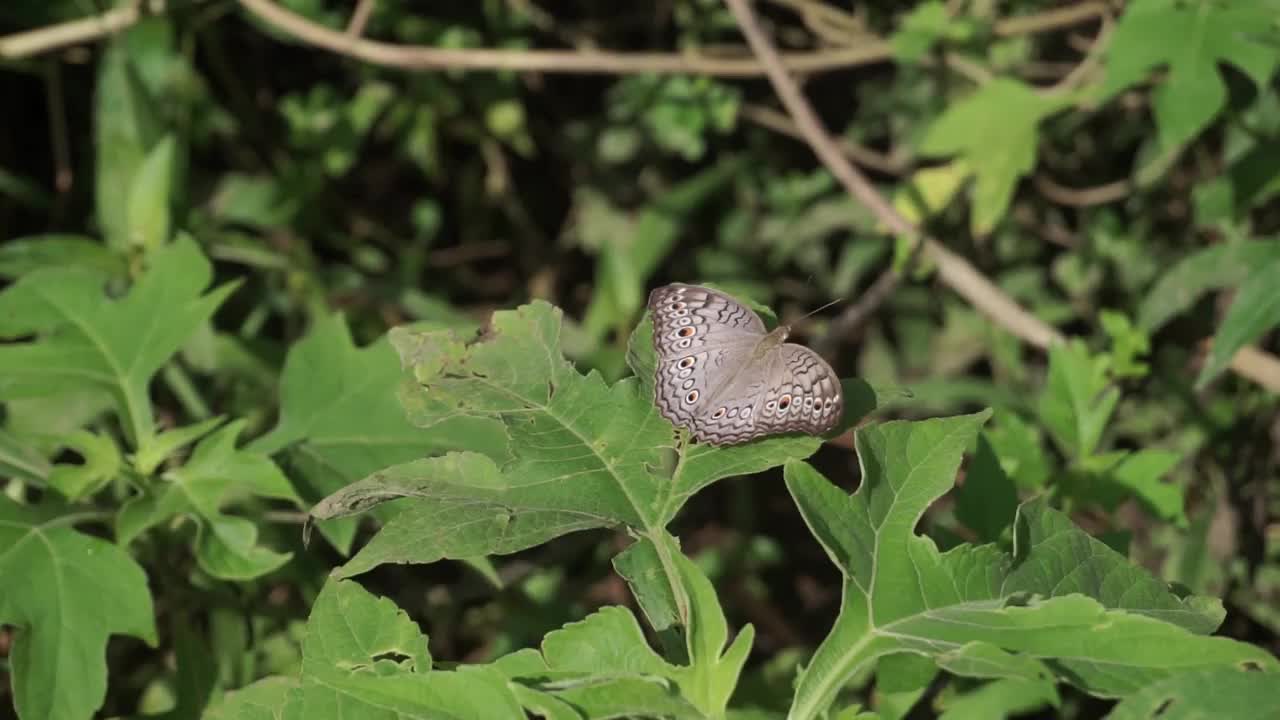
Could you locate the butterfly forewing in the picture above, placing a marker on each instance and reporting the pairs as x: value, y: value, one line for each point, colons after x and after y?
x: 698, y: 335
x: 712, y: 381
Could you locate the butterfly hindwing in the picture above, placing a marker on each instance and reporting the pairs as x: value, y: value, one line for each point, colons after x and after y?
x: 804, y: 394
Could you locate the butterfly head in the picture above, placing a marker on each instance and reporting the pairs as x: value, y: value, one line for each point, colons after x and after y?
x: 775, y: 338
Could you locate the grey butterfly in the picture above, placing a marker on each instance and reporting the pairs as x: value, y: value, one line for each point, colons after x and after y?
x: 727, y: 380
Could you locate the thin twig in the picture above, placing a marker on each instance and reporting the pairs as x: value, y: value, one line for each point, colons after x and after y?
x: 415, y: 57
x: 62, y: 173
x: 41, y: 40
x: 1052, y: 19
x: 1082, y: 197
x: 1258, y: 366
x: 360, y: 18
x: 954, y: 270
x: 781, y: 123
x: 1083, y: 72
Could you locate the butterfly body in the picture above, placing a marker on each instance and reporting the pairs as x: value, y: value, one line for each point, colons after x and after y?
x: 726, y: 379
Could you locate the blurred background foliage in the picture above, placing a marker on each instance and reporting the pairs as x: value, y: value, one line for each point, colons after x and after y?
x: 1112, y: 169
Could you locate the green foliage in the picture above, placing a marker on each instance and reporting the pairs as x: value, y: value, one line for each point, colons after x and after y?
x: 260, y: 276
x: 993, y: 136
x: 1188, y: 40
x: 76, y: 591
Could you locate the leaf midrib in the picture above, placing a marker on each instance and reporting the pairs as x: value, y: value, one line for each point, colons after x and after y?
x: 605, y: 464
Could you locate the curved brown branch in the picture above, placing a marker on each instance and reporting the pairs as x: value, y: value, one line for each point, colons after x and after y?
x: 781, y: 123
x: 1082, y: 197
x: 360, y: 18
x: 414, y: 57
x: 954, y: 270
x: 1052, y: 19
x: 27, y: 44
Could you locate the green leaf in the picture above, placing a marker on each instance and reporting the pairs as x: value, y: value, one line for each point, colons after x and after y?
x: 603, y: 666
x: 1077, y: 403
x: 924, y: 27
x: 363, y: 657
x: 1189, y: 40
x: 101, y: 463
x: 1142, y: 474
x: 1128, y: 344
x: 995, y: 132
x: 75, y: 590
x: 902, y: 595
x: 1000, y: 699
x: 216, y: 473
x: 630, y: 250
x: 1212, y: 693
x: 608, y: 641
x: 713, y: 671
x: 1052, y: 557
x: 126, y: 129
x: 1254, y: 311
x: 901, y: 680
x: 21, y: 459
x: 1019, y: 447
x: 20, y: 256
x: 985, y: 503
x: 1212, y: 268
x: 151, y: 196
x: 263, y: 700
x: 460, y: 505
x: 87, y: 341
x: 583, y: 453
x: 641, y: 566
x: 168, y: 442
x: 350, y: 630
x: 340, y: 421
x: 878, y: 564
x: 984, y: 660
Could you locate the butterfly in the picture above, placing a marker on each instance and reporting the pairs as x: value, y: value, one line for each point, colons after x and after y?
x: 727, y: 380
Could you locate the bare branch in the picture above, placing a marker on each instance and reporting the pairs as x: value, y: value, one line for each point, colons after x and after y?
x: 360, y: 18
x: 416, y: 57
x: 41, y: 40
x: 954, y: 270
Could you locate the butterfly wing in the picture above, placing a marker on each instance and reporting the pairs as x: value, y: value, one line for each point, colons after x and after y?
x: 700, y: 335
x: 803, y: 394
x: 793, y: 390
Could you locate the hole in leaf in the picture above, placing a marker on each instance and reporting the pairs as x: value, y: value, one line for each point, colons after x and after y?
x: 394, y: 656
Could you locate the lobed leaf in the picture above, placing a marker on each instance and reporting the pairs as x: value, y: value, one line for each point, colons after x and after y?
x: 579, y: 453
x: 1189, y: 40
x: 67, y: 593
x: 1223, y: 692
x: 339, y: 419
x: 226, y: 545
x: 1063, y: 598
x: 995, y: 133
x: 88, y: 342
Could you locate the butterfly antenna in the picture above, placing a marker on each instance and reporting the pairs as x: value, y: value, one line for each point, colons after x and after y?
x: 824, y: 307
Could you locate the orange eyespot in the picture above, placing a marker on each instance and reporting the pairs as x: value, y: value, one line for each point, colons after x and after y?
x: 784, y: 402
x: 686, y: 363
x: 692, y: 397
x: 685, y: 332
x: 718, y: 414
